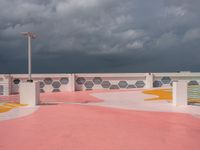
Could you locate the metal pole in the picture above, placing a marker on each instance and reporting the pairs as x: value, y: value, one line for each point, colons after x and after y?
x: 30, y: 36
x: 29, y: 59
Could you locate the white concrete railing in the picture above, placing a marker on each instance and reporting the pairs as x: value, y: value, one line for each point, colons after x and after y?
x: 4, y: 89
x: 90, y: 81
x: 5, y: 83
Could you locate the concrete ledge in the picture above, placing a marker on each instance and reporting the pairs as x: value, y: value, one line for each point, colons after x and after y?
x: 29, y: 93
x: 180, y: 93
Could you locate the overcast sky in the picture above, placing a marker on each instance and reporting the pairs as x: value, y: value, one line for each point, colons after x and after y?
x: 101, y: 35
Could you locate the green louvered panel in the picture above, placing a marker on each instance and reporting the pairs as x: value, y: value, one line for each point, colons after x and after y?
x: 194, y: 92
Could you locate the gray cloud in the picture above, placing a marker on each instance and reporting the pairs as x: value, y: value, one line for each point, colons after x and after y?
x: 101, y: 35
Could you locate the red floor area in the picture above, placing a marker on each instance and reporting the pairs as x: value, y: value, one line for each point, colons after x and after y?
x: 76, y: 127
x: 82, y: 127
x: 78, y: 96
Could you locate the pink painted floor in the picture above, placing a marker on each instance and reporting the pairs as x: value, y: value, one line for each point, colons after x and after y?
x: 82, y: 127
x: 79, y: 97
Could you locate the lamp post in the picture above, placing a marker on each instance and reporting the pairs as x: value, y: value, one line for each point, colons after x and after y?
x: 30, y: 36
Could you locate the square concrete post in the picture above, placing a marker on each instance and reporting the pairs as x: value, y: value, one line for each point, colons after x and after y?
x: 29, y: 93
x: 180, y: 93
x: 72, y: 82
x: 149, y: 81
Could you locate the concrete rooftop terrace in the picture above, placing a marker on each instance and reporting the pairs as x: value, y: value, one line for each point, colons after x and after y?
x: 98, y: 119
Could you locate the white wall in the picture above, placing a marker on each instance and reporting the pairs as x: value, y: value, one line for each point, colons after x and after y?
x: 92, y: 81
x: 108, y: 81
x: 48, y: 82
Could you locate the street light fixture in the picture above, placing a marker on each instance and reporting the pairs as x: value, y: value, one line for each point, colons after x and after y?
x: 30, y: 36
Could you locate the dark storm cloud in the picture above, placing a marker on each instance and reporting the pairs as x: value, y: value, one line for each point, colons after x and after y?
x: 101, y: 35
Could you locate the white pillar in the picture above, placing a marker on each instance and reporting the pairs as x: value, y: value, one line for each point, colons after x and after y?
x: 180, y: 93
x: 72, y: 82
x: 149, y: 81
x: 29, y: 93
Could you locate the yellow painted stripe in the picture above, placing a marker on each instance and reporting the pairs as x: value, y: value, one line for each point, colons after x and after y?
x: 162, y: 94
x: 8, y: 106
x: 1, y: 107
x: 5, y: 110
